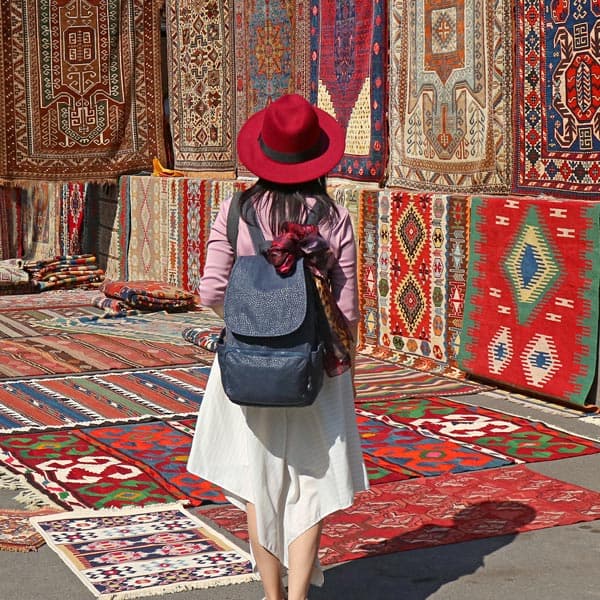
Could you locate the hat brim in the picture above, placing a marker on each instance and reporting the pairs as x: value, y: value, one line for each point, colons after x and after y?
x: 254, y: 159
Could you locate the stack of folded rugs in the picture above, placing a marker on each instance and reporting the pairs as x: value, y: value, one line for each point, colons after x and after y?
x: 124, y: 296
x: 64, y: 271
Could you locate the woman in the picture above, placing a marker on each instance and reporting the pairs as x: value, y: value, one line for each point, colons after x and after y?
x: 287, y: 468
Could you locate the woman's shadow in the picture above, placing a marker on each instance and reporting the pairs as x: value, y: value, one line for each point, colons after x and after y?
x: 414, y: 565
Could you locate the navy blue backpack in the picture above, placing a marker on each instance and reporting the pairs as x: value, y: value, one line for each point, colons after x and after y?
x: 271, y: 353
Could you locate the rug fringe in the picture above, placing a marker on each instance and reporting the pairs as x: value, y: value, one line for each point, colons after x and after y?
x: 28, y: 496
x: 180, y: 587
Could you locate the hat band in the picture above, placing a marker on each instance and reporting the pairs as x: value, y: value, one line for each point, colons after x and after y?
x: 290, y: 157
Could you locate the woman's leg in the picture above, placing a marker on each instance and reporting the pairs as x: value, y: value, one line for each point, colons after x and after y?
x: 268, y: 565
x: 302, y: 556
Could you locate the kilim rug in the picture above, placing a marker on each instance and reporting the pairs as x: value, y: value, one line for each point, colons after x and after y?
x: 134, y: 553
x: 515, y: 438
x: 59, y: 298
x: 16, y: 532
x: 419, y: 454
x: 451, y: 95
x: 114, y: 466
x: 377, y: 380
x: 62, y: 354
x: 348, y: 74
x: 200, y: 54
x: 271, y: 54
x: 32, y: 322
x: 86, y: 399
x: 72, y: 209
x: 157, y: 326
x: 368, y: 240
x: 531, y: 310
x: 421, y: 513
x: 11, y: 242
x: 413, y: 276
x: 79, y: 112
x: 557, y: 140
x: 40, y: 220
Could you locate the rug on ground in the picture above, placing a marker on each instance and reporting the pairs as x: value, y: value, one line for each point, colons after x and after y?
x: 85, y: 399
x: 425, y: 512
x: 531, y: 309
x: 16, y: 532
x: 142, y: 552
x: 114, y: 466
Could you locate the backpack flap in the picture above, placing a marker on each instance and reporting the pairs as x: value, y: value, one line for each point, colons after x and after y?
x: 261, y: 303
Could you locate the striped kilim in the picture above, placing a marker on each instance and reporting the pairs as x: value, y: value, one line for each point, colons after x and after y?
x: 130, y: 395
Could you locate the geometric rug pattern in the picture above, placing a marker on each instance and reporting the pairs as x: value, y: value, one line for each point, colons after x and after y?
x: 532, y: 302
x: 202, y: 118
x: 557, y: 139
x: 90, y: 109
x: 84, y: 352
x: 140, y: 464
x: 87, y: 399
x: 452, y: 508
x: 348, y: 79
x: 451, y: 95
x: 378, y: 380
x: 143, y: 552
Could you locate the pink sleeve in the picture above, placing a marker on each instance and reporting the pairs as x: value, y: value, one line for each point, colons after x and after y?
x: 219, y: 260
x: 343, y: 276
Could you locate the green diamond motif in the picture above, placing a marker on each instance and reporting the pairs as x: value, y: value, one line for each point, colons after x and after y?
x: 531, y: 266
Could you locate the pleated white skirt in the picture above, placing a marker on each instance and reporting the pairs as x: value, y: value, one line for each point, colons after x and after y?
x: 296, y: 465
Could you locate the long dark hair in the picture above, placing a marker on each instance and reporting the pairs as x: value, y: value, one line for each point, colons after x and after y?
x: 288, y: 202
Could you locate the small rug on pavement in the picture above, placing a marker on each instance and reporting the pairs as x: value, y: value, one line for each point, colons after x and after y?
x: 121, y: 554
x: 378, y: 380
x: 517, y: 438
x: 433, y: 511
x: 17, y: 534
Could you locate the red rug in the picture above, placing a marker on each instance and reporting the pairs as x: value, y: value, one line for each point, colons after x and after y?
x: 85, y: 353
x: 377, y: 380
x: 531, y: 307
x: 426, y: 512
x: 520, y: 439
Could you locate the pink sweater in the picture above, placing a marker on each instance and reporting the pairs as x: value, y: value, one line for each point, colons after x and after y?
x: 219, y: 260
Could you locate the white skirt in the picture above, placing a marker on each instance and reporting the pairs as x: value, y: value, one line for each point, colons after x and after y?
x: 296, y: 465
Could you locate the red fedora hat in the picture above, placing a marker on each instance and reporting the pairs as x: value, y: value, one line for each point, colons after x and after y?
x: 290, y: 141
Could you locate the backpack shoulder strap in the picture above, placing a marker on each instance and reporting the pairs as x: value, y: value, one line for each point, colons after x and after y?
x: 233, y: 222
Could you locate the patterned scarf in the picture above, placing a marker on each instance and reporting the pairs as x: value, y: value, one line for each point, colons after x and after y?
x: 297, y: 241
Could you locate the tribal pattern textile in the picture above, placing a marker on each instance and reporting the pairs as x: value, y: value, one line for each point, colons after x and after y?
x: 114, y: 466
x: 10, y: 223
x: 420, y: 454
x: 368, y: 238
x: 376, y: 380
x: 557, y: 125
x: 16, y: 532
x: 72, y: 209
x: 532, y: 306
x: 31, y: 322
x: 200, y: 51
x: 84, y: 352
x: 271, y: 55
x: 40, y: 220
x: 138, y: 553
x: 450, y: 95
x: 77, y: 110
x: 158, y: 326
x: 348, y: 76
x: 96, y: 398
x: 433, y: 511
x: 413, y: 273
x: 516, y: 438
x: 57, y: 299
